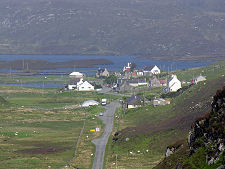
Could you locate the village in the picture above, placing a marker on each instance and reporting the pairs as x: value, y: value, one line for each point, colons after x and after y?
x: 155, y: 85
x: 132, y: 111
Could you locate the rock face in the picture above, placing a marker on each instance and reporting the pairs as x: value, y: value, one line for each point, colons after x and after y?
x: 209, y: 130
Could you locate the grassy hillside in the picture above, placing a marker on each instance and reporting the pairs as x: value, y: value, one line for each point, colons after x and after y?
x: 142, y: 135
x: 156, y: 29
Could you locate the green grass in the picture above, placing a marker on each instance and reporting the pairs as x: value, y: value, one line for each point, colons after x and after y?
x: 40, y: 128
x: 154, y: 117
x: 211, y: 72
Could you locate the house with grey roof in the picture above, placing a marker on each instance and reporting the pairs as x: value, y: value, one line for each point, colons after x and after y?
x: 134, y: 101
x: 151, y: 70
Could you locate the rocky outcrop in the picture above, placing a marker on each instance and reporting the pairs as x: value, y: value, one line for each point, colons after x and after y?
x: 172, y: 148
x: 209, y: 130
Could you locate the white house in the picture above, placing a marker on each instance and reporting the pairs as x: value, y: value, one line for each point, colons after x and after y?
x: 173, y: 84
x: 80, y: 85
x: 85, y: 86
x: 148, y: 70
x: 76, y: 75
x: 155, y: 70
x: 199, y: 79
x: 73, y: 83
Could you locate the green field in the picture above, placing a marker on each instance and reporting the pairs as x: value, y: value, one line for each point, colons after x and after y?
x: 39, y: 127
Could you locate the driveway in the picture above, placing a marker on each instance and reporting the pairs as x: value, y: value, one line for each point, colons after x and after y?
x: 101, y: 142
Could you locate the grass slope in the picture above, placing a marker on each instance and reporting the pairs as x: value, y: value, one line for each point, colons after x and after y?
x: 144, y: 133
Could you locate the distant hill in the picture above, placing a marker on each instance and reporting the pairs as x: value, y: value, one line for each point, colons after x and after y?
x: 186, y: 29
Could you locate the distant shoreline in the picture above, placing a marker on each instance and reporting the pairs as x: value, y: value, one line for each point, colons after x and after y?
x: 147, y: 57
x: 30, y: 64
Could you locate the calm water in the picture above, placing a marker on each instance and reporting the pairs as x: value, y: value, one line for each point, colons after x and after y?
x: 52, y: 85
x: 119, y: 62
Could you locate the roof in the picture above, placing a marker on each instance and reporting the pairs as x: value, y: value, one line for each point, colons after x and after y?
x: 136, y: 80
x: 148, y: 68
x: 86, y: 83
x: 162, y: 81
x: 76, y: 74
x: 74, y: 81
x: 134, y: 99
x: 89, y: 103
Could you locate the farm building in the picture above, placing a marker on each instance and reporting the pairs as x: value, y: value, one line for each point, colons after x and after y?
x: 76, y: 75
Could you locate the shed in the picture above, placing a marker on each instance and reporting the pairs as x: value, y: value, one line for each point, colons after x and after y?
x: 199, y: 78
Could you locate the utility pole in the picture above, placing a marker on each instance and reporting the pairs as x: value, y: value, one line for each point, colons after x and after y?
x: 23, y: 64
x: 27, y: 67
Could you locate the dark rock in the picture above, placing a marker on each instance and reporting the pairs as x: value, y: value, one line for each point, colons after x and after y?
x: 208, y: 130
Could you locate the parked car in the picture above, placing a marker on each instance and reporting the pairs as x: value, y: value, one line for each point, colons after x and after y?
x: 101, y: 114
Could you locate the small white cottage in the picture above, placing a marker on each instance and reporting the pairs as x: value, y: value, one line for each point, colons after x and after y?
x: 155, y: 70
x: 173, y: 84
x: 199, y: 79
x: 85, y: 86
x: 149, y: 70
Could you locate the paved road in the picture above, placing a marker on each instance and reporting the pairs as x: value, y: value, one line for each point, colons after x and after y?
x: 101, y: 142
x: 107, y: 90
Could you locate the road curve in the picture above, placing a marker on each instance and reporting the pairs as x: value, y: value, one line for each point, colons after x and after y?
x: 101, y: 142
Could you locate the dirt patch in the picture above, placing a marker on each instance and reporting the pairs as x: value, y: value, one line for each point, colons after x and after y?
x: 42, y: 150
